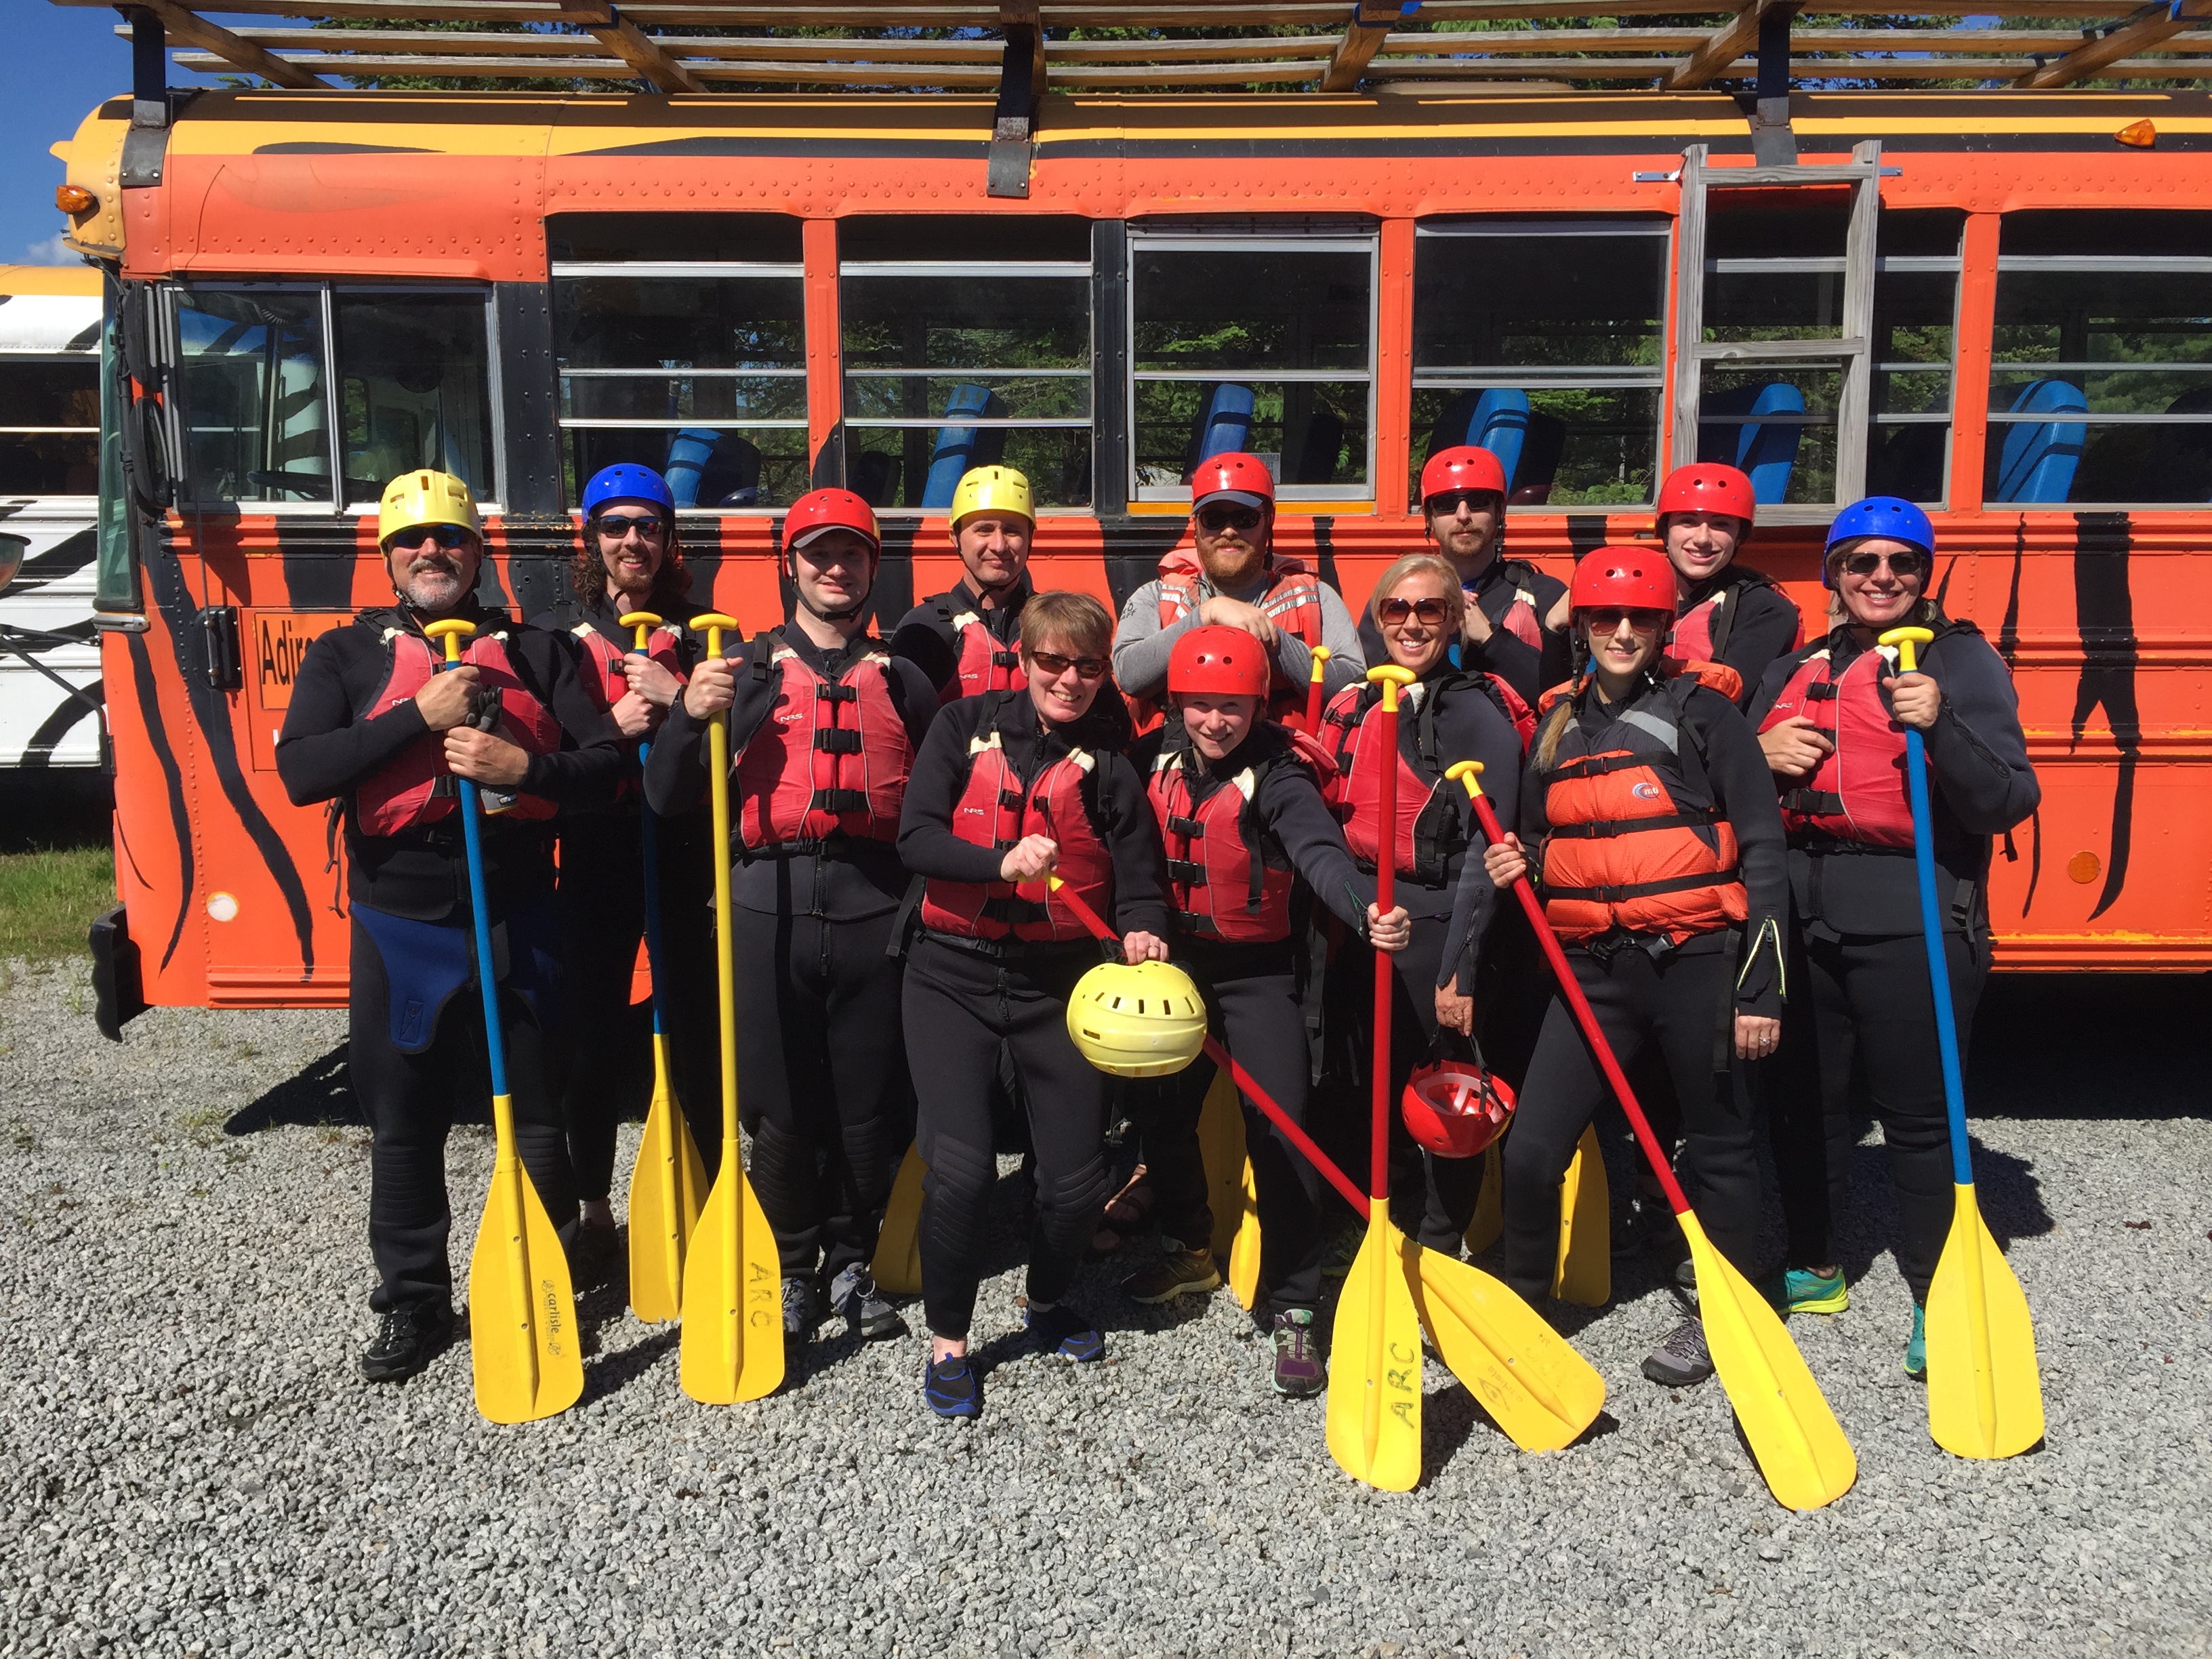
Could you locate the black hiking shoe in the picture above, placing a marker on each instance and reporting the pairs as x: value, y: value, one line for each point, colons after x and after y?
x: 412, y: 1335
x: 802, y: 1310
x: 854, y: 1294
x: 1682, y: 1359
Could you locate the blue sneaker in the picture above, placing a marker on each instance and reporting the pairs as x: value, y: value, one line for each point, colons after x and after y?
x: 1799, y: 1291
x: 952, y: 1389
x: 1061, y: 1330
x: 1916, y: 1350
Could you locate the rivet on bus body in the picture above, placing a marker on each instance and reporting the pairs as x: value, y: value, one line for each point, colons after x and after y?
x: 222, y: 907
x: 2084, y: 867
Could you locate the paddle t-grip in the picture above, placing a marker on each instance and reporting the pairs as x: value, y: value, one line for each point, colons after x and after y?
x: 449, y: 633
x: 643, y: 621
x: 1321, y: 656
x: 1908, y: 641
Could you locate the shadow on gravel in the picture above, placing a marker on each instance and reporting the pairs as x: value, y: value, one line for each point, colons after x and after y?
x: 2089, y: 1046
x: 611, y: 1371
x: 321, y: 1093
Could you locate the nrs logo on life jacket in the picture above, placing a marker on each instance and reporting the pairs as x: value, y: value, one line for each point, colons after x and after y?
x: 417, y: 788
x: 830, y: 759
x: 1222, y: 883
x: 1636, y: 843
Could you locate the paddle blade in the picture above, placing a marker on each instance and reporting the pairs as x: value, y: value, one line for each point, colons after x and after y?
x: 522, y: 1309
x: 1221, y: 1145
x: 733, y: 1344
x: 898, y: 1266
x: 1245, y: 1252
x: 666, y: 1189
x: 1375, y: 1365
x: 1984, y: 1394
x: 1585, y: 1272
x: 1531, y: 1382
x: 1800, y: 1446
x: 1489, y: 1208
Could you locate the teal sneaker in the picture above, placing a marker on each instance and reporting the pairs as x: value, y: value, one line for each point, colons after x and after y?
x: 1916, y: 1350
x: 1800, y: 1291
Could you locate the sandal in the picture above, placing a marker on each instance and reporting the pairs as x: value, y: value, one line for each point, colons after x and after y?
x: 1125, y: 1215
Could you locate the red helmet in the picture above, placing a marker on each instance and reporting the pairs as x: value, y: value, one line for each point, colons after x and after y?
x: 1219, y: 658
x: 1239, y: 476
x: 1455, y: 1110
x: 1461, y: 467
x: 1708, y: 487
x: 822, y: 510
x: 1635, y: 578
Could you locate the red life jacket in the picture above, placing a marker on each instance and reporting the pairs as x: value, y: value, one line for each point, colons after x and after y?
x: 1701, y: 632
x: 1636, y: 843
x: 1291, y: 602
x: 810, y: 770
x: 1431, y: 833
x: 1222, y: 880
x: 985, y: 665
x: 604, y: 658
x: 415, y: 788
x: 995, y: 809
x: 1859, y: 792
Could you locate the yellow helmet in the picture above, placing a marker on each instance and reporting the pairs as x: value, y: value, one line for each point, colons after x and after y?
x: 415, y: 499
x: 992, y: 489
x: 1145, y: 1021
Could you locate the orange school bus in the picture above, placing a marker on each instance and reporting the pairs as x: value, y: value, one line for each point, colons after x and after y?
x: 1981, y: 301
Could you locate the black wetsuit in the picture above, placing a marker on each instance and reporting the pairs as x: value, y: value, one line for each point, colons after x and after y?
x: 926, y: 637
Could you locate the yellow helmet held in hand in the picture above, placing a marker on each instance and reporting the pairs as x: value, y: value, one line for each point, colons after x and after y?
x: 1145, y: 1021
x: 415, y: 499
x: 992, y: 489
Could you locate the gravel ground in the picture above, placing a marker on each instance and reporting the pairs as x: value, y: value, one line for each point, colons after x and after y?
x: 189, y: 1462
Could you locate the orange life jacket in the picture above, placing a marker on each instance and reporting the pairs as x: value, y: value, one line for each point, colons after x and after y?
x: 1636, y: 839
x: 415, y: 788
x: 1701, y: 632
x: 811, y: 770
x: 996, y: 808
x: 1222, y: 881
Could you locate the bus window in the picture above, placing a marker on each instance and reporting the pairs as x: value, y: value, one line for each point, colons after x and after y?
x: 683, y: 348
x: 49, y: 425
x: 415, y: 388
x: 966, y: 342
x: 1256, y: 341
x: 2100, y: 383
x: 253, y: 404
x: 1916, y: 303
x: 1543, y: 342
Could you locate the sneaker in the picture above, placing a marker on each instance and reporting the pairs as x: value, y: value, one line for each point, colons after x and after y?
x: 1061, y: 1330
x: 1342, y: 1251
x: 952, y: 1389
x: 1300, y: 1371
x: 412, y: 1335
x: 802, y: 1310
x: 1174, y: 1272
x: 1916, y: 1346
x: 1682, y: 1359
x: 1644, y: 1220
x: 853, y: 1295
x: 1799, y: 1291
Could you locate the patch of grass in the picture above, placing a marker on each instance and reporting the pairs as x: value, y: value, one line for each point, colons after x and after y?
x: 48, y: 900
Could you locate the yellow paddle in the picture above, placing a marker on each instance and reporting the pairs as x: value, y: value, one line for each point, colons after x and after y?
x: 1489, y: 1205
x: 1315, y: 690
x: 669, y: 1179
x: 1244, y: 1248
x: 898, y: 1266
x: 523, y: 1355
x: 1221, y: 1149
x: 1984, y: 1393
x: 1584, y: 1274
x: 733, y: 1344
x: 1800, y: 1448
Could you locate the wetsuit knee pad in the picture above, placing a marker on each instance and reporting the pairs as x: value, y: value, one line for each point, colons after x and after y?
x: 1074, y: 1192
x: 958, y: 1170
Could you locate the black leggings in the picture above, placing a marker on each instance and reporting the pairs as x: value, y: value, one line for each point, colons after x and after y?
x: 1255, y: 1014
x: 409, y: 1100
x: 1683, y: 1005
x: 960, y: 1006
x: 602, y: 919
x: 821, y: 1079
x: 1870, y: 999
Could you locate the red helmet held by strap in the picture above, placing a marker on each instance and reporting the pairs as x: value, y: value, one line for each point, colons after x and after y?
x: 1455, y: 1109
x: 1461, y: 467
x: 822, y: 510
x: 1235, y: 474
x: 1708, y: 487
x: 1634, y: 578
x: 1217, y: 659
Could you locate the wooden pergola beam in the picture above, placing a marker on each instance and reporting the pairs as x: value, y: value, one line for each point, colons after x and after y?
x: 1722, y: 50
x: 2149, y: 27
x: 1368, y: 28
x: 632, y: 44
x: 180, y: 24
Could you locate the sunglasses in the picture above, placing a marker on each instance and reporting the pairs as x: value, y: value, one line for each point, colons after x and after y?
x: 1906, y: 565
x: 617, y: 528
x: 1055, y: 665
x: 451, y: 537
x: 1447, y: 505
x: 1431, y: 612
x: 1215, y: 520
x: 1607, y: 619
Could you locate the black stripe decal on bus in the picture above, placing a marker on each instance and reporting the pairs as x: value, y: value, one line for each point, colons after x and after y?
x: 149, y: 704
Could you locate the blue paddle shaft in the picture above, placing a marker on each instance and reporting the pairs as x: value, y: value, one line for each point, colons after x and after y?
x: 1939, y: 967
x: 652, y: 897
x: 495, y: 1039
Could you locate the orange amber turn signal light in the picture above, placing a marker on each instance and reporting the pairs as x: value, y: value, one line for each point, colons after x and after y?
x: 75, y: 198
x: 2137, y: 135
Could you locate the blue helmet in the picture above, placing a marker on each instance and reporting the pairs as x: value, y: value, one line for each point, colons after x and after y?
x: 626, y: 482
x: 1887, y: 516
